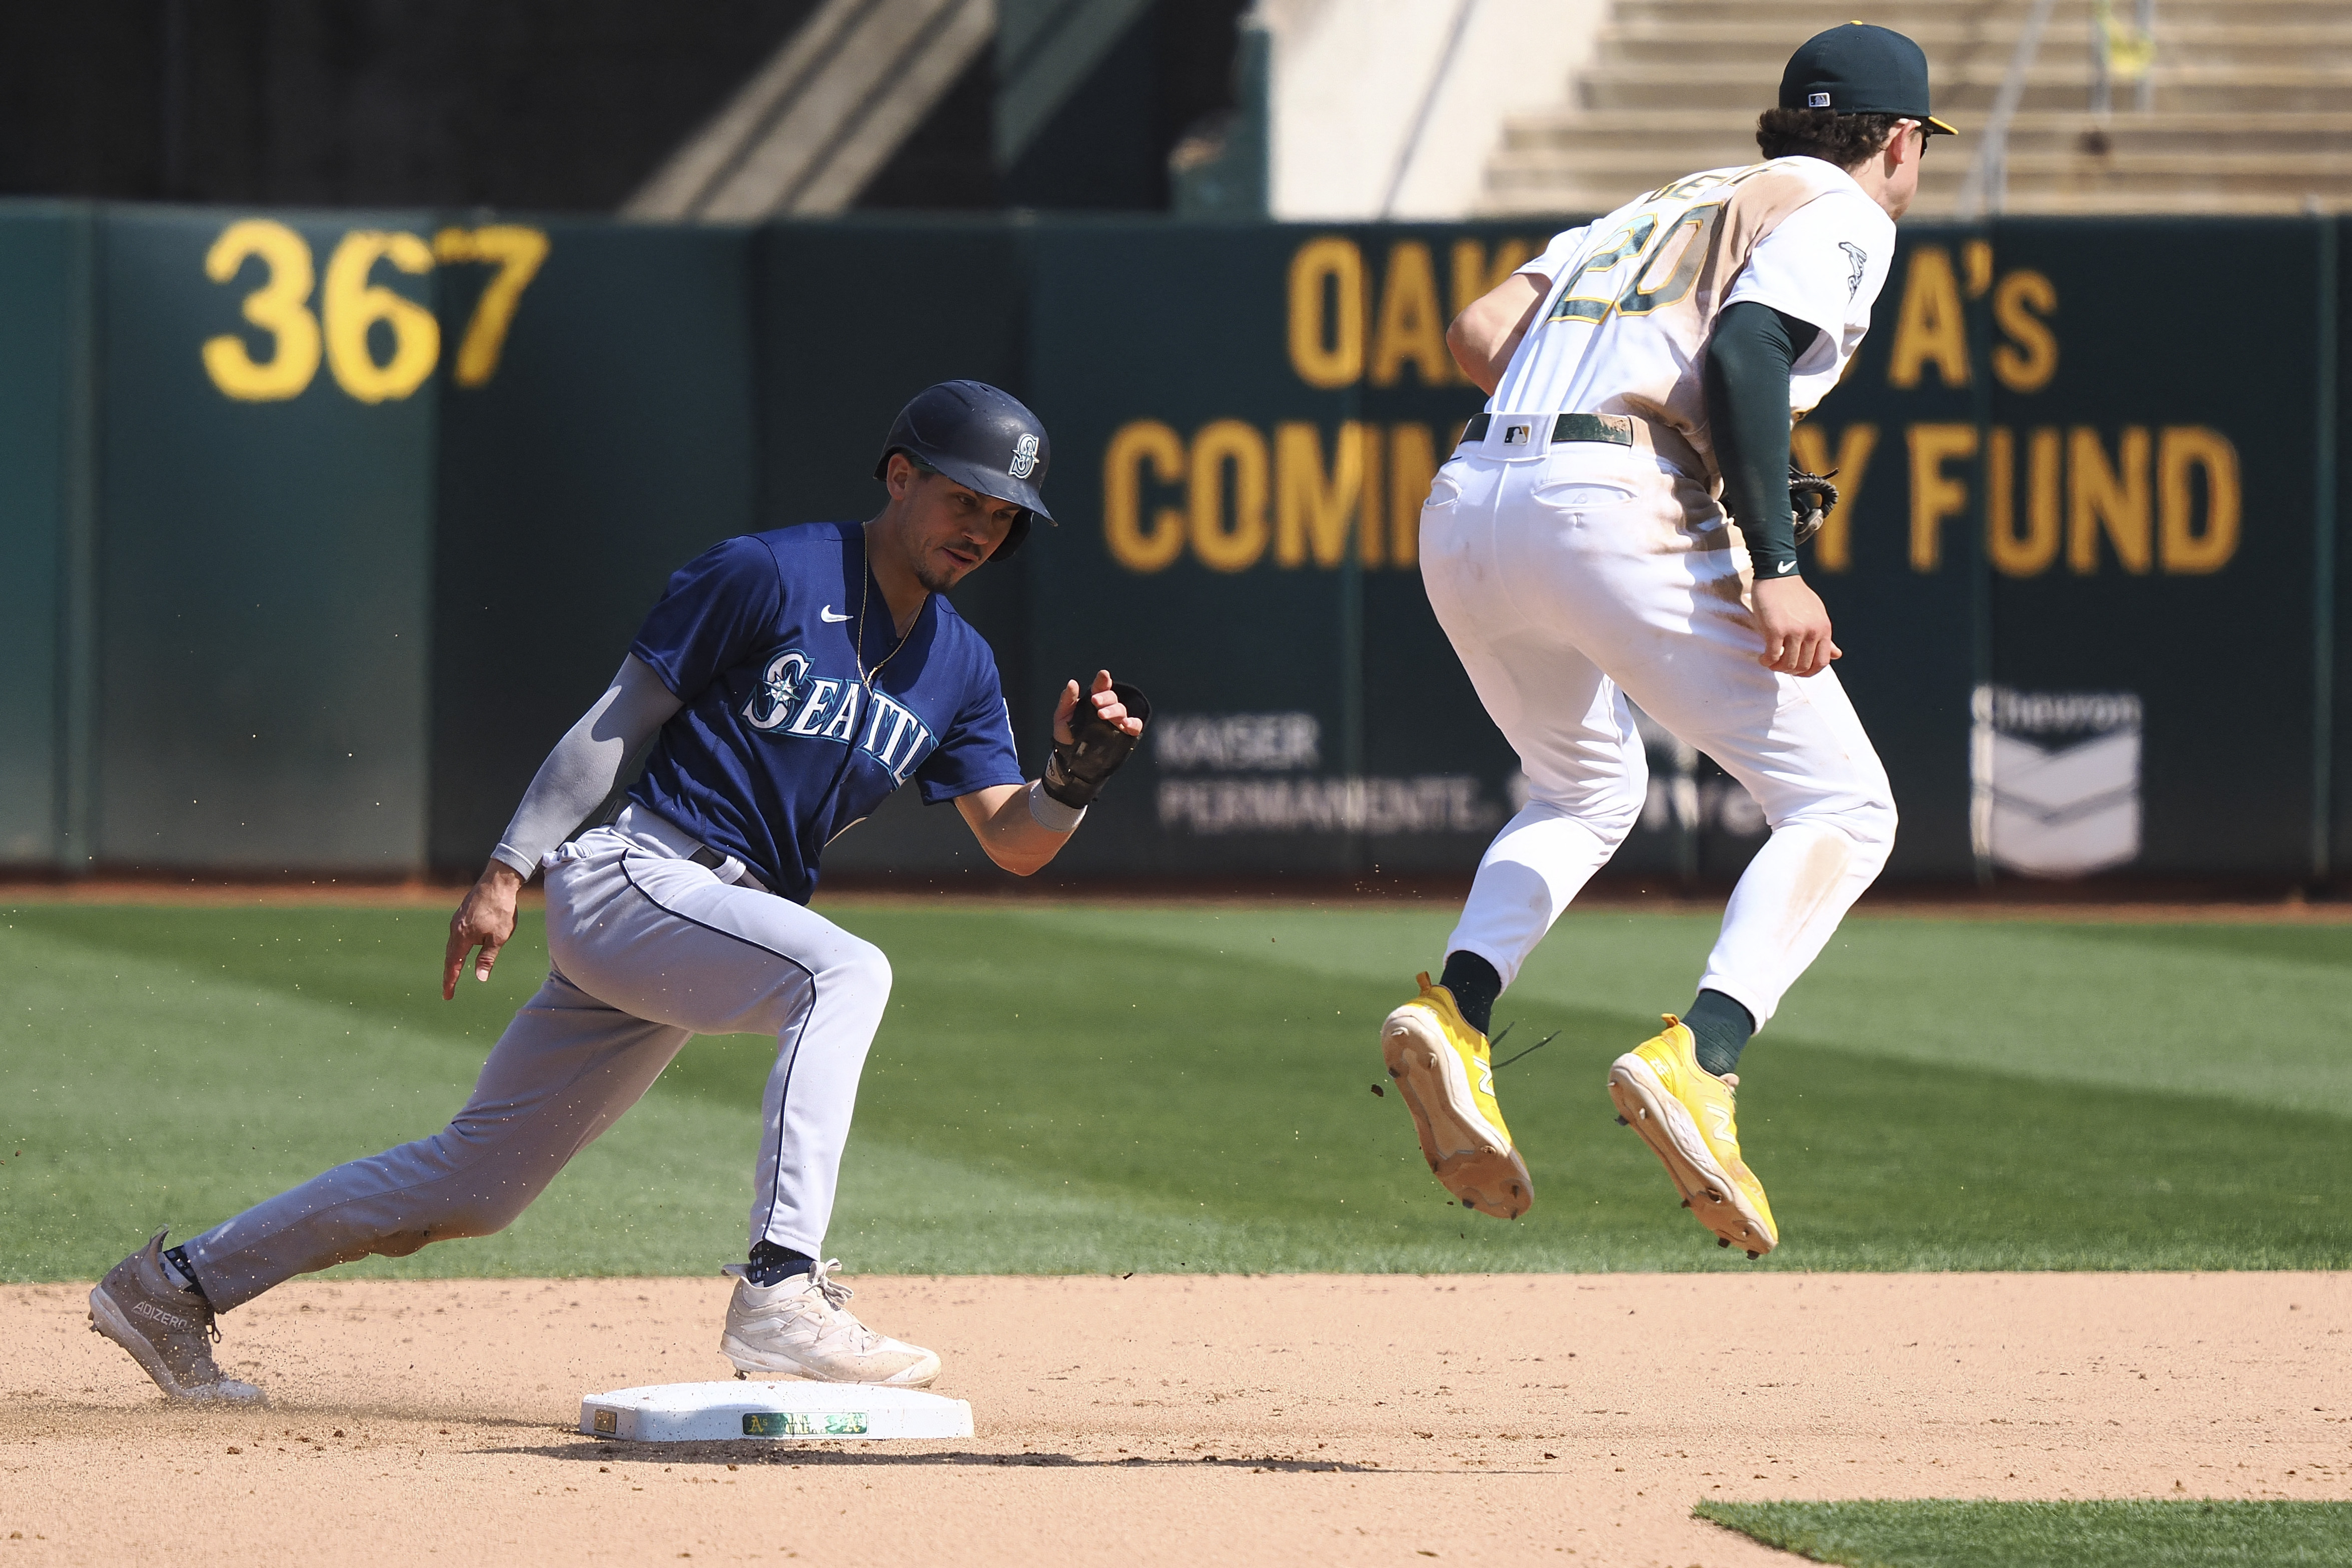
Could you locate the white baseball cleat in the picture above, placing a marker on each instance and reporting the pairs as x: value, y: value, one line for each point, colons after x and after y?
x: 800, y: 1327
x: 168, y: 1332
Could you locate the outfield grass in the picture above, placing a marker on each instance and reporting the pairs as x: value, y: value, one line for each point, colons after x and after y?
x: 1942, y: 1534
x: 1073, y: 1088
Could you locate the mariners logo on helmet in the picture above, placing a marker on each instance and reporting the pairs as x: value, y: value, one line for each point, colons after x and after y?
x: 965, y: 430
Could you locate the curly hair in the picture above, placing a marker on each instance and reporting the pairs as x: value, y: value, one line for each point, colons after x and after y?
x: 1847, y: 141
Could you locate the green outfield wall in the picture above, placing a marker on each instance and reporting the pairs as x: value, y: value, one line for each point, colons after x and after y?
x: 316, y: 528
x: 45, y: 530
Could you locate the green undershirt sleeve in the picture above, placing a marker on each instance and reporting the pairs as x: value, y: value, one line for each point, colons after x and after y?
x: 1746, y: 378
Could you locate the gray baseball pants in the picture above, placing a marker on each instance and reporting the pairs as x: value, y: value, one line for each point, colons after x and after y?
x: 649, y: 949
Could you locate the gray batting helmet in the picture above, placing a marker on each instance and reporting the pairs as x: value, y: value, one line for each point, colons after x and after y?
x: 982, y: 438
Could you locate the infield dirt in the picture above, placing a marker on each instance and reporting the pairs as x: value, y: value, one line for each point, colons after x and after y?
x: 1300, y: 1418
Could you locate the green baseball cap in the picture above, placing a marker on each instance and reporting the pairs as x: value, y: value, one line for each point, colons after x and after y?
x: 1861, y: 69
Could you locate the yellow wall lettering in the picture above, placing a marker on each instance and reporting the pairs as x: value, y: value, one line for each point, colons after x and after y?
x: 2029, y: 553
x: 2021, y: 307
x: 2114, y: 497
x: 1317, y: 511
x: 280, y: 307
x: 1228, y: 541
x: 1412, y: 464
x: 1932, y: 328
x: 352, y: 304
x: 1232, y: 495
x: 1976, y: 266
x: 1134, y: 544
x: 1833, y: 546
x: 1326, y: 312
x: 1999, y: 475
x: 1409, y: 329
x: 518, y: 252
x: 1936, y: 495
x: 2184, y: 551
x: 1371, y: 515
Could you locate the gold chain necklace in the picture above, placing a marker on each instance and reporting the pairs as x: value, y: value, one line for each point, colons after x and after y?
x: 858, y: 643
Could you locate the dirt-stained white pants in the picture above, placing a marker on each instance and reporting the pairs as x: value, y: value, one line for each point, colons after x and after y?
x: 1571, y: 578
x: 649, y: 949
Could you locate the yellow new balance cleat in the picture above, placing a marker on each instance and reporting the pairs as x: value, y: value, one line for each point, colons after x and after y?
x: 1441, y: 1066
x: 1685, y: 1113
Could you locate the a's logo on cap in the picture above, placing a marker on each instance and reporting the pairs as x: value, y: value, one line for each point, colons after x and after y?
x: 1817, y: 101
x: 1025, y: 457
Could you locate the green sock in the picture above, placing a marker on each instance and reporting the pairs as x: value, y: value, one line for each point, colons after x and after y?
x: 1719, y: 1027
x: 1474, y: 984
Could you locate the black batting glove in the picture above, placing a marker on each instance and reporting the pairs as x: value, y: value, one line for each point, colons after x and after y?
x: 1076, y: 772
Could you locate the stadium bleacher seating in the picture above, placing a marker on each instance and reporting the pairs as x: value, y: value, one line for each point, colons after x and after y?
x: 2252, y: 106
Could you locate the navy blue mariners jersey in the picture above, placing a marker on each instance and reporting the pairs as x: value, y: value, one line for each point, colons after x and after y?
x: 779, y: 747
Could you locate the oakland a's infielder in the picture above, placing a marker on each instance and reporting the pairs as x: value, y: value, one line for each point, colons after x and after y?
x: 1643, y: 374
x: 790, y: 680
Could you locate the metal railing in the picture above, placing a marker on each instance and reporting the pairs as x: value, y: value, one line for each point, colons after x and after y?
x: 1987, y: 185
x: 2121, y: 52
x: 1411, y: 148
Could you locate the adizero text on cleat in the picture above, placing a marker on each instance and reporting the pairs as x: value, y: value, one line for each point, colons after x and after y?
x: 168, y: 1331
x: 1685, y: 1113
x: 1444, y: 1073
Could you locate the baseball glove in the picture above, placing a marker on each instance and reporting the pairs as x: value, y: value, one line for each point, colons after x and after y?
x: 1074, y: 774
x: 1812, y: 499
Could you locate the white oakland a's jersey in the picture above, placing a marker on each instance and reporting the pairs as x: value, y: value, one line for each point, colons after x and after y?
x: 1633, y: 297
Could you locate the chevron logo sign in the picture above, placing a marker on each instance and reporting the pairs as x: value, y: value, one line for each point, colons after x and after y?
x: 2055, y: 779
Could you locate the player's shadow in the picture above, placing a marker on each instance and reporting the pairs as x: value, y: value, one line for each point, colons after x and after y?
x: 768, y: 1454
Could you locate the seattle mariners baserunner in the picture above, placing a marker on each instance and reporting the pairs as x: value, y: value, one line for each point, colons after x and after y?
x: 789, y: 681
x: 1642, y: 374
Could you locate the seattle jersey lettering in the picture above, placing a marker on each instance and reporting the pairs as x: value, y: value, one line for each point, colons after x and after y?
x: 787, y: 703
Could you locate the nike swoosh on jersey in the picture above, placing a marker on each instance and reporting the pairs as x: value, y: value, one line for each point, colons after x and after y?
x: 826, y: 614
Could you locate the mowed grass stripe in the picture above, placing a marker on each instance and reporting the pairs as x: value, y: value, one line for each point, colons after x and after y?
x: 1043, y: 1101
x: 2255, y: 1013
x: 1884, y: 1164
x: 2101, y: 1534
